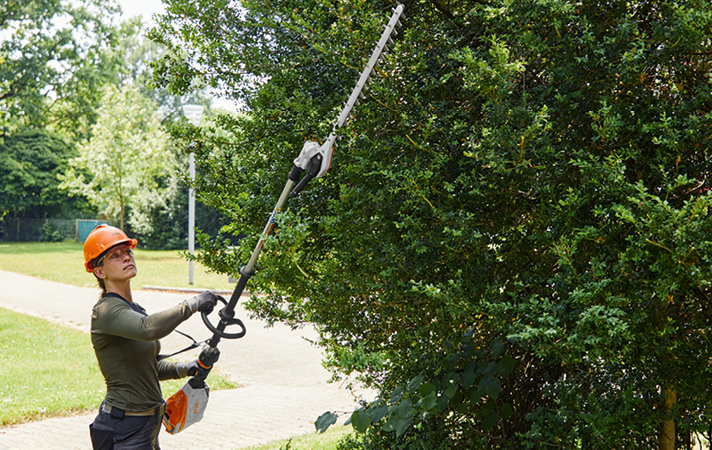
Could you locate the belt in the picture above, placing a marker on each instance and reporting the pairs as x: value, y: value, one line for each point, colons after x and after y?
x: 116, y: 412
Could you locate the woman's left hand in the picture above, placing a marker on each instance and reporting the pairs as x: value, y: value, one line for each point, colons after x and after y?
x: 203, y: 302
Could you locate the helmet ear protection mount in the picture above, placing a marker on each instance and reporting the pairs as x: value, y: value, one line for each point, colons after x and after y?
x: 101, y: 239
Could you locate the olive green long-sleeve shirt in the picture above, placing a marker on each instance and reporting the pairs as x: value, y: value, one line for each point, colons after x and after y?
x: 125, y: 341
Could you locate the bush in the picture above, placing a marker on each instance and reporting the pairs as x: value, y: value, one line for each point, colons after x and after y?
x: 515, y: 218
x: 50, y: 233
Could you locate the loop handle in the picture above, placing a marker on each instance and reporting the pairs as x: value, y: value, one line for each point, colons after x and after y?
x: 225, y: 321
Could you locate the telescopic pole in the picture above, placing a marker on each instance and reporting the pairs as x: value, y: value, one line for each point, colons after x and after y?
x: 315, y: 160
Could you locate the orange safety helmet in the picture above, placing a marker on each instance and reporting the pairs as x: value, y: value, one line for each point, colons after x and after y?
x: 102, y: 238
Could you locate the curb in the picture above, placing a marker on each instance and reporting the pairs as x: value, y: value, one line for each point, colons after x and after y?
x: 187, y: 290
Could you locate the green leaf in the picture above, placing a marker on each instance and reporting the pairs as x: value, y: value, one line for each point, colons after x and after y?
x: 442, y: 404
x: 476, y: 394
x: 362, y: 421
x: 403, y: 415
x: 492, y: 388
x: 426, y: 389
x: 402, y: 425
x: 491, y: 370
x: 430, y: 401
x: 390, y: 424
x: 414, y: 384
x: 497, y: 347
x: 489, y: 421
x: 404, y: 409
x: 379, y: 413
x: 506, y: 365
x: 450, y: 392
x: 468, y: 376
x: 397, y: 394
x: 506, y: 411
x: 326, y: 420
x: 451, y: 379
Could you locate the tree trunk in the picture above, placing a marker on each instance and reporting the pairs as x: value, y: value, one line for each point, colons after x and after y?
x: 666, y: 440
x: 121, y: 216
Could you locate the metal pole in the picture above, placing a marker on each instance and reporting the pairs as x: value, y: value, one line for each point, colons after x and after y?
x: 191, y: 216
x: 193, y: 113
x: 270, y: 223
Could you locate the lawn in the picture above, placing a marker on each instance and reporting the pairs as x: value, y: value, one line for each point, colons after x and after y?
x: 312, y: 441
x: 50, y: 370
x: 63, y: 262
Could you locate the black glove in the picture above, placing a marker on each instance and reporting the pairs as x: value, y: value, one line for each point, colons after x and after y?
x: 203, y: 302
x: 208, y: 357
x: 187, y: 368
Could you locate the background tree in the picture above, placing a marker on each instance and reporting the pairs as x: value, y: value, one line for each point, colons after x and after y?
x: 54, y: 57
x: 511, y: 242
x: 30, y: 163
x: 169, y: 218
x: 127, y: 160
x: 53, y: 61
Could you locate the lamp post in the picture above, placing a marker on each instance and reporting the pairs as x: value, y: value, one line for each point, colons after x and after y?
x: 193, y: 113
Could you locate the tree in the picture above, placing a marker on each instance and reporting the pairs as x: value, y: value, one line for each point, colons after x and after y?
x: 511, y: 242
x: 54, y: 57
x: 166, y: 219
x: 30, y: 163
x: 129, y: 164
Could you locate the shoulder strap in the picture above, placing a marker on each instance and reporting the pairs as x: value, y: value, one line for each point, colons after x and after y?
x: 135, y: 306
x: 139, y: 309
x: 190, y: 347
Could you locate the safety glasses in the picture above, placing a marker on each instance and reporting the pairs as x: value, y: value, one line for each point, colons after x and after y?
x: 115, y: 255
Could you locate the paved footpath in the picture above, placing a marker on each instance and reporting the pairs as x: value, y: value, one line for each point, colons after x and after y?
x: 284, y: 387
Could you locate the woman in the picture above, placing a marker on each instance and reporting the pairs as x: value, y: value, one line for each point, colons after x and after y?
x: 125, y: 341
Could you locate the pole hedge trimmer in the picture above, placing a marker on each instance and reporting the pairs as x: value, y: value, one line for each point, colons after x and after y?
x: 187, y: 405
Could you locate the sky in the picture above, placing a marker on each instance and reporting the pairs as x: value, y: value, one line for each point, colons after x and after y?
x: 146, y: 9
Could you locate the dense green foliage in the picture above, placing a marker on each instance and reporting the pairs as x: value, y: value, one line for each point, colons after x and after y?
x: 511, y: 241
x: 53, y: 60
x: 30, y: 162
x: 57, y: 57
x: 127, y: 159
x: 54, y: 57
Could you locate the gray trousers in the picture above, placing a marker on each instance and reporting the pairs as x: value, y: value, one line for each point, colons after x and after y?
x: 113, y: 432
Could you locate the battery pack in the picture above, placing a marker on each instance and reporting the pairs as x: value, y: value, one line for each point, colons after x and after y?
x: 185, y: 407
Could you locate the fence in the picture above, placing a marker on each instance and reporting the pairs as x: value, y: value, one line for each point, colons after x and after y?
x: 17, y: 229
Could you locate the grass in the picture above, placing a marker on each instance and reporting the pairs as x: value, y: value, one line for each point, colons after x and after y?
x: 312, y: 441
x: 66, y: 259
x: 50, y: 370
x: 38, y: 378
